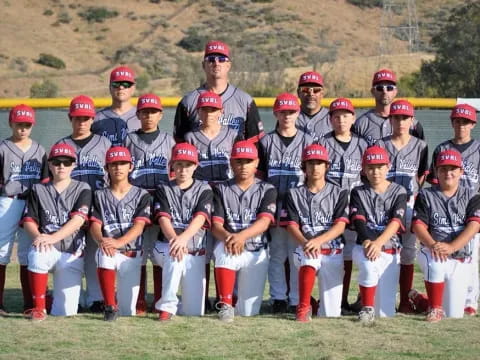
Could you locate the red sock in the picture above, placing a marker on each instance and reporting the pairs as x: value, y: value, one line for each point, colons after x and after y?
x: 143, y: 286
x: 106, y: 278
x: 435, y: 294
x: 406, y: 282
x: 3, y: 270
x: 207, y: 279
x: 38, y: 286
x: 226, y: 282
x: 347, y: 277
x: 367, y: 295
x: 27, y: 294
x: 157, y: 283
x: 306, y: 281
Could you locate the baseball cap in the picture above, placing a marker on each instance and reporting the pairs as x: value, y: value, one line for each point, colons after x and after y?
x: 117, y: 154
x: 449, y: 157
x: 286, y: 101
x: 62, y: 150
x: 464, y: 111
x: 82, y: 106
x: 402, y: 107
x: 375, y: 155
x: 315, y: 152
x: 341, y: 104
x: 384, y: 75
x: 310, y: 77
x: 22, y: 114
x: 122, y: 73
x: 217, y: 47
x: 244, y: 149
x: 149, y: 101
x: 185, y: 152
x: 209, y: 99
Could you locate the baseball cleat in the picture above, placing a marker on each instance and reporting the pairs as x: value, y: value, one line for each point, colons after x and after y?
x: 141, y: 307
x: 165, y: 316
x: 97, y: 307
x: 366, y: 316
x: 314, y: 304
x: 418, y: 300
x: 279, y: 306
x: 3, y: 312
x: 226, y: 312
x: 303, y: 314
x: 470, y: 311
x: 35, y: 315
x: 110, y: 313
x: 406, y: 308
x: 435, y: 315
x: 356, y: 307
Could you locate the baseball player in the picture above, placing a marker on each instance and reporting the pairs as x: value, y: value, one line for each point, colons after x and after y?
x: 408, y: 167
x: 316, y: 218
x: 377, y: 212
x: 239, y: 109
x: 90, y: 150
x: 151, y: 149
x: 280, y: 164
x: 182, y: 209
x: 244, y: 208
x: 345, y: 150
x: 117, y: 120
x: 445, y: 220
x: 120, y: 213
x: 374, y: 125
x: 54, y: 218
x: 23, y: 162
x: 313, y: 119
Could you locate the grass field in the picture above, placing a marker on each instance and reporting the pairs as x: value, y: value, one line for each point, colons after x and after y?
x: 87, y: 336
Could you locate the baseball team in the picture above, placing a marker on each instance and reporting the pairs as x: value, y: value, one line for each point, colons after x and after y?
x: 323, y: 191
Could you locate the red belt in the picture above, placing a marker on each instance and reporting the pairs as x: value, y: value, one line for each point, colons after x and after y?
x: 330, y: 251
x: 200, y: 252
x: 131, y: 253
x: 391, y: 251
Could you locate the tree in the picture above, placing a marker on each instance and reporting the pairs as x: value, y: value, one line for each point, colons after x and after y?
x: 45, y: 89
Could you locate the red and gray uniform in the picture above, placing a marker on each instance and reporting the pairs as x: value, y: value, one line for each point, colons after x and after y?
x: 470, y: 162
x: 115, y: 127
x: 240, y: 113
x: 316, y: 125
x: 373, y: 127
x: 213, y: 154
x: 90, y: 162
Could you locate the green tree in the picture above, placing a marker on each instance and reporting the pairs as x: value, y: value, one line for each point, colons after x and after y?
x: 45, y: 89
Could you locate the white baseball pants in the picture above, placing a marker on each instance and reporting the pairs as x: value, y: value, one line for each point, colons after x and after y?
x: 11, y: 211
x: 473, y: 285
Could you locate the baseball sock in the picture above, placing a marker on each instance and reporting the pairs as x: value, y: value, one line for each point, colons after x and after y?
x: 406, y: 282
x: 27, y: 293
x: 3, y: 269
x: 306, y: 281
x: 368, y: 295
x: 106, y: 278
x: 38, y: 285
x: 207, y: 280
x: 347, y: 277
x: 157, y: 283
x: 435, y: 294
x: 226, y: 282
x: 142, y: 290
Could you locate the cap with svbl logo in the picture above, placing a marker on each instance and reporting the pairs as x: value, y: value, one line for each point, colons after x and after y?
x: 118, y: 154
x: 384, y: 75
x: 209, y: 99
x: 217, y: 47
x: 244, y: 149
x: 402, y: 107
x: 315, y: 152
x: 22, y: 114
x: 82, y: 106
x: 449, y: 158
x: 464, y: 111
x: 341, y: 104
x: 185, y: 152
x: 310, y: 77
x: 375, y: 155
x: 149, y: 101
x: 62, y: 150
x: 122, y: 73
x: 286, y: 101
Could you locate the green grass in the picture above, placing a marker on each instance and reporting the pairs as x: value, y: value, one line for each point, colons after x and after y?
x: 87, y: 336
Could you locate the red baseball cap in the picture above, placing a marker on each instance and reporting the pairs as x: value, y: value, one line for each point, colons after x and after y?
x: 464, y: 111
x: 117, y: 154
x: 217, y: 47
x: 244, y: 149
x: 315, y: 152
x: 375, y: 155
x: 209, y: 99
x: 62, y: 150
x: 310, y: 77
x: 82, y: 106
x: 402, y: 107
x: 149, y: 101
x: 185, y: 152
x: 384, y: 75
x: 286, y: 101
x: 341, y: 104
x: 122, y: 73
x: 449, y: 157
x: 22, y: 114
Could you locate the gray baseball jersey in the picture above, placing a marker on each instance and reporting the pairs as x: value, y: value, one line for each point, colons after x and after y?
x: 181, y: 206
x: 345, y: 164
x: 373, y: 127
x: 115, y: 127
x: 445, y: 217
x: 376, y: 211
x: 90, y: 160
x: 150, y: 160
x: 407, y: 164
x: 117, y: 216
x: 237, y: 209
x: 239, y: 113
x: 20, y: 170
x: 317, y: 125
x: 51, y: 210
x: 470, y: 160
x: 316, y: 213
x: 213, y: 154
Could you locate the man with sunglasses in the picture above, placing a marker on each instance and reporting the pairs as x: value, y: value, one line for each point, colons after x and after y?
x: 117, y: 120
x: 239, y: 109
x: 374, y: 124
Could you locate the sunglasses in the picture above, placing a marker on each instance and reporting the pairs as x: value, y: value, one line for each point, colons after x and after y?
x: 124, y: 84
x: 381, y: 88
x: 66, y: 162
x: 308, y: 89
x: 214, y: 58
